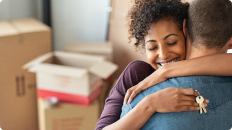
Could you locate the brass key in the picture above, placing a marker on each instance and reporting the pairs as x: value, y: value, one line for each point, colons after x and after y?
x: 203, y: 107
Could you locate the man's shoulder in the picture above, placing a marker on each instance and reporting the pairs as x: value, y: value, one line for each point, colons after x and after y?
x: 200, y: 79
x: 204, y: 84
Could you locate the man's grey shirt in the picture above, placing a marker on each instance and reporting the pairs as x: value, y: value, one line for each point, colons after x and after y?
x: 217, y: 89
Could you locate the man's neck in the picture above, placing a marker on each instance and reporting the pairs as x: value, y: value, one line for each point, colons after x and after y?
x: 193, y: 52
x: 199, y: 52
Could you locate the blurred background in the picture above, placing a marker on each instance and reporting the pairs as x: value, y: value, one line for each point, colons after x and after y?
x: 79, y: 20
x: 31, y: 28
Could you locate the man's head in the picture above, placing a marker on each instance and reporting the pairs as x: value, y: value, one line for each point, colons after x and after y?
x: 210, y: 23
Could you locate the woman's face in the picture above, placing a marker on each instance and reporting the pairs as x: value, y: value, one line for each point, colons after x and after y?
x: 164, y: 44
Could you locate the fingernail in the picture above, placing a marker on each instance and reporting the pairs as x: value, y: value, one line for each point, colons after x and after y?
x: 205, y: 105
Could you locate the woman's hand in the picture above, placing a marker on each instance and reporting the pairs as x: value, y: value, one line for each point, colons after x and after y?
x: 174, y: 100
x: 156, y: 77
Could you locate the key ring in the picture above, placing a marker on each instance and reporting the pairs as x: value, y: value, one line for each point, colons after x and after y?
x: 198, y: 93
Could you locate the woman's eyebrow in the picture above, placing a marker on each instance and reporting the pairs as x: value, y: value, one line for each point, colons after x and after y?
x: 169, y: 35
x: 151, y: 41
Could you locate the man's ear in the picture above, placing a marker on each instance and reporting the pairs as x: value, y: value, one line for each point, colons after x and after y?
x: 184, y: 28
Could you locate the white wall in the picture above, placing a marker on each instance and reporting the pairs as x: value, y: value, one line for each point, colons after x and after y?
x: 14, y: 9
x: 79, y: 20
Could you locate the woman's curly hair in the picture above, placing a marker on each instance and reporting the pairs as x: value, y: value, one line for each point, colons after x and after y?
x: 145, y: 12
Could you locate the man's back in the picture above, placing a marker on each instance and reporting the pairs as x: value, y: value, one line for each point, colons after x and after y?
x: 219, y: 110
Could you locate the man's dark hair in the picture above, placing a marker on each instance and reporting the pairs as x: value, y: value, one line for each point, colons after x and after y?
x: 209, y: 23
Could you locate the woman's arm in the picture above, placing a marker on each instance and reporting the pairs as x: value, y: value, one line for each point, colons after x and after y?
x: 137, y: 117
x: 218, y: 64
x: 134, y: 120
x: 132, y: 75
x: 173, y: 100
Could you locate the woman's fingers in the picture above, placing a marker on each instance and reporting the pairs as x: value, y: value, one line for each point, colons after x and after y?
x: 188, y: 103
x: 188, y: 91
x: 206, y: 101
x: 128, y: 93
x: 194, y: 107
x: 188, y: 108
x: 134, y: 93
x: 191, y: 91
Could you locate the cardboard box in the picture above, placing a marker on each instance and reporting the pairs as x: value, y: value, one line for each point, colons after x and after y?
x: 95, y: 48
x: 68, y: 116
x: 20, y: 41
x: 70, y: 77
x: 104, y: 49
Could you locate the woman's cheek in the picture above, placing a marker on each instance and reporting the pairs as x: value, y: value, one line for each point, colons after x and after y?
x: 151, y: 59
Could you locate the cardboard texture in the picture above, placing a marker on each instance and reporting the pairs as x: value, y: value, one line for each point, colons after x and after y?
x: 68, y: 116
x: 123, y: 52
x: 20, y: 41
x: 70, y: 77
x: 94, y: 48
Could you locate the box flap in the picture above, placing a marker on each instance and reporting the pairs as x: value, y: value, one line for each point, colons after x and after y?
x: 29, y: 25
x: 37, y: 60
x: 59, y: 70
x: 89, y: 47
x: 103, y: 69
x: 78, y: 56
x: 7, y: 29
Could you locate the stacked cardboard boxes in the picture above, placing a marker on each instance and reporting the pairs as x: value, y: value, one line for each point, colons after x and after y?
x: 76, y: 80
x: 21, y: 40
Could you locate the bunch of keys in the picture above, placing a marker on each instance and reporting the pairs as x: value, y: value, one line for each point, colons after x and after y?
x: 200, y: 100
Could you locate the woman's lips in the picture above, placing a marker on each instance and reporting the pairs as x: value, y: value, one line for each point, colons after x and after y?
x: 168, y: 62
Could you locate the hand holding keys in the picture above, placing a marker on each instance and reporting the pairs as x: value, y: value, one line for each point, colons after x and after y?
x: 199, y: 100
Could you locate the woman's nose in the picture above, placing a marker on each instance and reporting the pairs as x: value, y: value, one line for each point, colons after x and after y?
x: 164, y: 53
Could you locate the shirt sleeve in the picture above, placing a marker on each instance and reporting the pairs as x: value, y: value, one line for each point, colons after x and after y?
x: 135, y: 72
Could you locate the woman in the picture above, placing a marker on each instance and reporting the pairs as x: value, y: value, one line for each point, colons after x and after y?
x: 161, y: 20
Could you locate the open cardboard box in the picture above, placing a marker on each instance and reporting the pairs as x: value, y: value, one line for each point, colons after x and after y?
x: 70, y: 77
x: 95, y: 48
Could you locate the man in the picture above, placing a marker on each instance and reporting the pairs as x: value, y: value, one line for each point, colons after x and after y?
x: 210, y: 32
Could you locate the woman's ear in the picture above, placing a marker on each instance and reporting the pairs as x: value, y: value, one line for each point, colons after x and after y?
x: 184, y: 28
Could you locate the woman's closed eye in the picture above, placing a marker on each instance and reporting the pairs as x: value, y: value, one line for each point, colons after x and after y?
x: 171, y: 43
x: 152, y: 48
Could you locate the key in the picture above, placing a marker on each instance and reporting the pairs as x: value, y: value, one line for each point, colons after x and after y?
x: 203, y: 107
x: 200, y: 100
